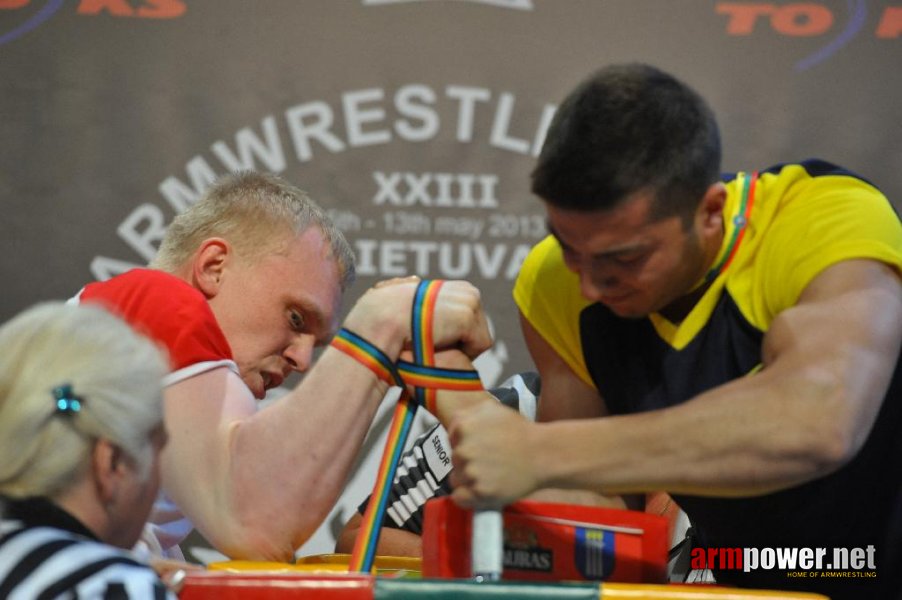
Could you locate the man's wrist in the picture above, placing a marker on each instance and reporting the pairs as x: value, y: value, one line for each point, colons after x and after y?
x: 379, y: 318
x: 368, y: 355
x: 546, y: 466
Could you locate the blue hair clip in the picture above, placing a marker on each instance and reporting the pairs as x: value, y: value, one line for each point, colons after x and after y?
x: 67, y: 403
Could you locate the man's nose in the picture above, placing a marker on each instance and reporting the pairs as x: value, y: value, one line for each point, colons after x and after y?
x: 593, y: 283
x: 299, y: 353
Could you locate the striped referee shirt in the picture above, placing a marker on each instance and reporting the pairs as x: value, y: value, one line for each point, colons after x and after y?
x: 423, y: 469
x: 47, y: 553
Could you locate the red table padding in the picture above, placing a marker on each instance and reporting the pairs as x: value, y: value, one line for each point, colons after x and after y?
x: 261, y: 585
x: 221, y: 585
x: 545, y: 541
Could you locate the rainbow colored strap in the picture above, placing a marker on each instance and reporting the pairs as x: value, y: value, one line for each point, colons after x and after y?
x: 421, y: 335
x: 367, y: 354
x: 364, y: 552
x: 426, y: 379
x: 740, y: 220
x: 430, y: 379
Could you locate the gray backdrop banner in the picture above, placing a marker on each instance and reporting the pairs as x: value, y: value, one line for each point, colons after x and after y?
x: 414, y: 122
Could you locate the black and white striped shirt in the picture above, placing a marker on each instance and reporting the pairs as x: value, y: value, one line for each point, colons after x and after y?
x: 49, y: 554
x: 424, y: 468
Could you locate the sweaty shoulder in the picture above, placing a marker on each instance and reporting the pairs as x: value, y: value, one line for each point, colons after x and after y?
x: 168, y: 310
x: 548, y: 296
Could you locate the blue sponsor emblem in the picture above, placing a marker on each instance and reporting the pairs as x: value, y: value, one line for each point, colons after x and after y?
x: 594, y: 550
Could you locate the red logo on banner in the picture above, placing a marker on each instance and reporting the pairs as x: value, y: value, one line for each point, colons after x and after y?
x: 147, y: 9
x: 808, y: 19
x: 42, y: 10
x: 891, y: 23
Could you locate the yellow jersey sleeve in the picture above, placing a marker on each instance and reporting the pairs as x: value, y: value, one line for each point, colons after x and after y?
x: 823, y: 220
x: 547, y: 294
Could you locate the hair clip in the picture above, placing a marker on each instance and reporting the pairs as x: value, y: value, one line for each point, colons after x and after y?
x: 67, y: 403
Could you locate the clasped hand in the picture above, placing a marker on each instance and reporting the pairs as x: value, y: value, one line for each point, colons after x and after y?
x: 382, y: 315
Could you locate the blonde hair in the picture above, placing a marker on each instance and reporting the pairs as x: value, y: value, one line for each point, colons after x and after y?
x: 255, y: 212
x: 114, y: 372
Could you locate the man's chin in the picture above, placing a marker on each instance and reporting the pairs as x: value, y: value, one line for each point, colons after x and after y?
x: 629, y: 314
x: 626, y: 310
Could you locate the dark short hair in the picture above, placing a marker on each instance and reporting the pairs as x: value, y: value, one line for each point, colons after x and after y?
x: 625, y: 129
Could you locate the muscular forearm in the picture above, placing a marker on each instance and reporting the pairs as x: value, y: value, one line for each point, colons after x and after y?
x: 756, y: 435
x: 287, y: 463
x: 805, y: 414
x: 707, y: 446
x: 710, y: 446
x: 290, y: 461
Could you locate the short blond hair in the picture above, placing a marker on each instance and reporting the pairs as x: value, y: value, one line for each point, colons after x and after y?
x: 255, y: 212
x: 114, y: 372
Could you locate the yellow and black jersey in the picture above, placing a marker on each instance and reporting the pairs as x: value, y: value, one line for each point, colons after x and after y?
x: 798, y: 220
x: 783, y: 226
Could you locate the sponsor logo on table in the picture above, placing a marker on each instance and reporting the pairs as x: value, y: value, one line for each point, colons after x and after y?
x: 522, y: 551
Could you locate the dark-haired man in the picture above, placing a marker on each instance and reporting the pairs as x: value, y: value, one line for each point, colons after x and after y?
x: 733, y: 340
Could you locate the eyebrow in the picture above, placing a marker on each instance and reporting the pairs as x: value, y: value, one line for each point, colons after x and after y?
x: 611, y: 253
x: 318, y: 318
